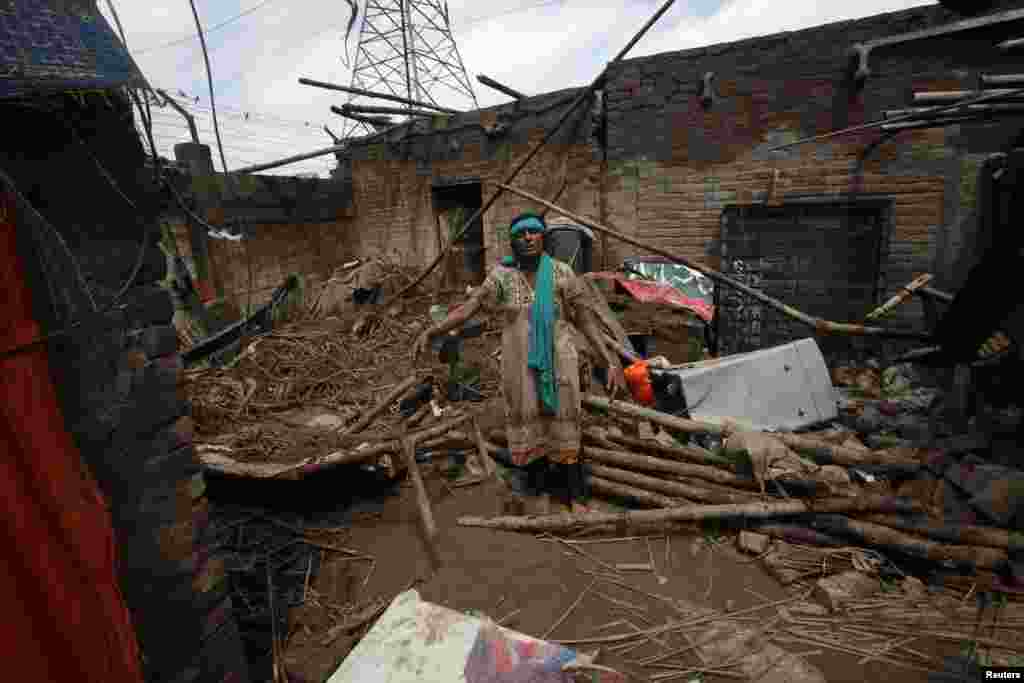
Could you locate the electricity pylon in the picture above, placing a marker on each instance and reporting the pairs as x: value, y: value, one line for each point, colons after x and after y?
x: 406, y: 49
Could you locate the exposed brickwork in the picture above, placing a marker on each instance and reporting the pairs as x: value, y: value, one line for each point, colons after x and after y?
x: 119, y: 378
x: 675, y: 164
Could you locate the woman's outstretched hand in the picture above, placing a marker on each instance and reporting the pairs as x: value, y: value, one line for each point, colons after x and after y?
x: 616, y: 384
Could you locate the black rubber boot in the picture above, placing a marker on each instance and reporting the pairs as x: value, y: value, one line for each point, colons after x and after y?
x: 577, y: 482
x: 565, y: 490
x: 536, y: 477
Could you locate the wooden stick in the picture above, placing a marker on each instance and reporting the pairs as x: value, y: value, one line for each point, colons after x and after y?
x: 586, y: 555
x: 691, y: 453
x: 634, y: 567
x: 962, y: 534
x: 887, y: 648
x: 423, y: 502
x: 567, y: 612
x: 692, y: 513
x: 675, y: 489
x: 388, y: 399
x: 508, y: 616
x: 901, y: 296
x: 418, y: 416
x: 614, y: 489
x: 819, y: 325
x: 803, y: 444
x: 878, y: 535
x: 481, y: 444
x: 676, y: 626
x: 648, y: 463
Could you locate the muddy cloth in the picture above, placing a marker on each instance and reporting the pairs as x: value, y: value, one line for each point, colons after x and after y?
x: 531, y: 433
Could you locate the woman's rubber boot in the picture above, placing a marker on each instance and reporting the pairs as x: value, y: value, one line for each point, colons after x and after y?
x: 537, y: 483
x: 576, y: 488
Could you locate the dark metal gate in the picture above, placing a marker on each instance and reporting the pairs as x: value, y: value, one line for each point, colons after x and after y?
x: 821, y: 258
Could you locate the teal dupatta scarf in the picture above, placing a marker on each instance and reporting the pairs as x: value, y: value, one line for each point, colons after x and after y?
x: 541, y: 353
x: 541, y: 358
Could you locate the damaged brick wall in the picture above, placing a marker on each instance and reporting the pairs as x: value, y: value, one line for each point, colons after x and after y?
x: 274, y: 251
x: 676, y: 163
x: 118, y: 375
x: 393, y: 179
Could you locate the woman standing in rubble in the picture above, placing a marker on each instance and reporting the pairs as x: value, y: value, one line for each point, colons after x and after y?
x: 538, y: 300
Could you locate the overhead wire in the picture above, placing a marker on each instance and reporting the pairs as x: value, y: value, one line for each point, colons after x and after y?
x: 228, y: 181
x: 216, y: 27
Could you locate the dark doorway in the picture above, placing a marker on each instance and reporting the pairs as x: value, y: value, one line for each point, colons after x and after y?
x: 454, y: 202
x: 822, y: 258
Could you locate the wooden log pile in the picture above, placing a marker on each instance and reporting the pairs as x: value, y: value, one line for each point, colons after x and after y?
x: 790, y: 489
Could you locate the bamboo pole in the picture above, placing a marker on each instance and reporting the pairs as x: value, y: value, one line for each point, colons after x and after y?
x: 614, y: 489
x: 691, y: 453
x: 816, y: 448
x: 376, y: 95
x: 481, y: 446
x: 390, y: 398
x: 573, y: 106
x: 500, y: 87
x: 665, y: 420
x: 828, y: 454
x: 653, y: 464
x: 667, y: 487
x: 870, y: 533
x: 900, y: 297
x: 422, y: 501
x: 819, y: 325
x: 689, y: 513
x: 961, y: 534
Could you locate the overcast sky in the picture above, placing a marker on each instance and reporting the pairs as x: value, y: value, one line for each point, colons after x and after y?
x: 532, y: 45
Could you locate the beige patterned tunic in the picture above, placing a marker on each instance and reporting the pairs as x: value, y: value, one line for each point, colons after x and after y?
x: 531, y: 434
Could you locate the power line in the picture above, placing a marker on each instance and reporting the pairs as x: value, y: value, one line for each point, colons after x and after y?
x: 187, y: 103
x: 515, y: 10
x: 248, y: 124
x: 190, y: 37
x: 237, y: 132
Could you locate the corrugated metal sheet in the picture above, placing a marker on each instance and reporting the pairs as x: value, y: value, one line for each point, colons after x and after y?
x: 822, y: 259
x: 54, y: 45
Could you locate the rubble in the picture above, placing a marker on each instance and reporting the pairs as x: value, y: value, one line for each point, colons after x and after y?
x: 870, y: 493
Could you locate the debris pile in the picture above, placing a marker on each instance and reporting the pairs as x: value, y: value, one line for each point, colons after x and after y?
x: 922, y: 507
x: 323, y: 391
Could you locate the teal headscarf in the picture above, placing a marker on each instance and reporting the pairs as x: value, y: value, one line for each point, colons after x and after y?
x: 541, y: 354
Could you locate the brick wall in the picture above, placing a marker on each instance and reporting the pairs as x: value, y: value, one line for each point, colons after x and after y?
x: 674, y: 164
x: 670, y: 165
x: 393, y: 180
x: 273, y: 251
x: 119, y: 377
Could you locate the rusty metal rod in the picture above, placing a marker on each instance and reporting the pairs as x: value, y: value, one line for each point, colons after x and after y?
x: 989, y: 96
x: 491, y: 83
x: 377, y: 95
x: 820, y: 325
x: 372, y: 120
x: 573, y: 106
x: 361, y: 109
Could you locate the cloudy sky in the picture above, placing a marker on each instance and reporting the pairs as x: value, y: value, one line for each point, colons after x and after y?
x: 259, y: 49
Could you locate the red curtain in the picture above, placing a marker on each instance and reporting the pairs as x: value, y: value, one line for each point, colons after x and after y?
x: 65, y: 619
